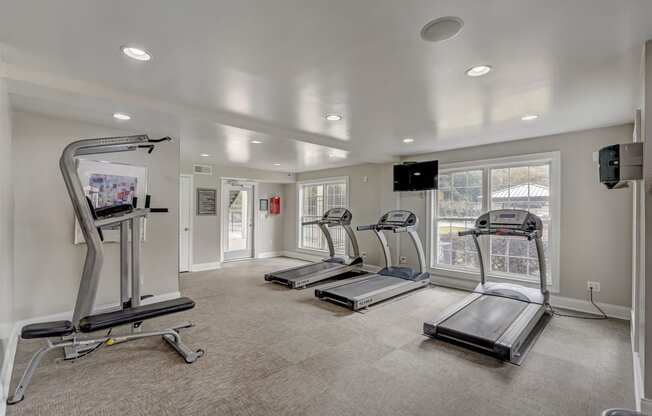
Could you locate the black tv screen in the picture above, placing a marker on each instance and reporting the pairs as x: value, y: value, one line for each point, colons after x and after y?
x: 420, y: 176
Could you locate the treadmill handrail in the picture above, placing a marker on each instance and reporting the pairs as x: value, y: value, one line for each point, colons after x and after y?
x: 325, y: 223
x: 499, y: 231
x: 89, y: 281
x: 366, y: 227
x: 533, y: 235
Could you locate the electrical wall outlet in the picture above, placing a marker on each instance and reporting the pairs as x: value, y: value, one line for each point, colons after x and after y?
x: 593, y: 285
x: 402, y: 260
x: 363, y: 255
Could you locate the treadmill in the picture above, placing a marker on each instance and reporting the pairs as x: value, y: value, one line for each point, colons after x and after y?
x: 501, y: 319
x: 391, y: 281
x: 302, y: 276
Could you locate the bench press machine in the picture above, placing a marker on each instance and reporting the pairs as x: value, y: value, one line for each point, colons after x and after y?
x: 128, y: 218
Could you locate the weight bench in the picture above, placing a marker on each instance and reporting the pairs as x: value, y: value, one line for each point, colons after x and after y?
x: 128, y: 218
x: 134, y: 315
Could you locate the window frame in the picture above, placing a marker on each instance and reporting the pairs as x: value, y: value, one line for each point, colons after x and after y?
x: 465, y: 273
x: 299, y: 196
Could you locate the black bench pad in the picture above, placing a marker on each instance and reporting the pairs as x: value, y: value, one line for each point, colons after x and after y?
x: 47, y: 330
x: 135, y: 314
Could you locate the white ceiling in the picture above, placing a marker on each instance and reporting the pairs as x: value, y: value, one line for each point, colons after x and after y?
x: 226, y: 72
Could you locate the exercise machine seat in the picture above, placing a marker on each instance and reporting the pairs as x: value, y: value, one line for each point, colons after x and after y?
x: 47, y: 330
x: 135, y: 314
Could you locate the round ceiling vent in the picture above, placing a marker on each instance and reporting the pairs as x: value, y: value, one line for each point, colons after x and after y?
x: 442, y: 29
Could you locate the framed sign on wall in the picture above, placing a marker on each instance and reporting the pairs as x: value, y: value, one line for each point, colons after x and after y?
x: 263, y: 205
x: 206, y: 201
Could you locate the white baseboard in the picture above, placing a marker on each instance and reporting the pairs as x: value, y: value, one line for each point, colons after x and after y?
x: 269, y: 254
x: 202, y: 267
x: 638, y: 382
x: 10, y: 353
x: 578, y: 305
x: 638, y: 370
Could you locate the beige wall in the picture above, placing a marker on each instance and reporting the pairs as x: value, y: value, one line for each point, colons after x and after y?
x: 595, y: 222
x: 47, y: 263
x: 269, y: 230
x: 6, y: 226
x: 367, y: 201
x: 206, y: 229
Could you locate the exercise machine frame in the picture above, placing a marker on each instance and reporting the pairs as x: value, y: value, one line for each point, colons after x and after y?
x: 131, y: 312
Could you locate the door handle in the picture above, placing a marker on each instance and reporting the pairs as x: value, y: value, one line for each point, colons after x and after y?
x: 186, y: 229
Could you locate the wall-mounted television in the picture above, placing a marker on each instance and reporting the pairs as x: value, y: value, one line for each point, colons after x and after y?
x: 415, y: 176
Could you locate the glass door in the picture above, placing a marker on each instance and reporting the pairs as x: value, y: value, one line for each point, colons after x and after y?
x: 237, y: 219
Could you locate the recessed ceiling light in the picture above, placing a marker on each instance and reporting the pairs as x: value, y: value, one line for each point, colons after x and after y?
x: 333, y: 117
x: 530, y: 117
x: 256, y: 142
x: 204, y: 155
x: 442, y: 29
x: 408, y: 140
x: 478, y: 70
x: 276, y: 164
x: 121, y: 116
x: 136, y: 53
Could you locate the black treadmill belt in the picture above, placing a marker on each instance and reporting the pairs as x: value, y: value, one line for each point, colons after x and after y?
x: 364, y: 287
x: 307, y: 270
x: 483, y: 321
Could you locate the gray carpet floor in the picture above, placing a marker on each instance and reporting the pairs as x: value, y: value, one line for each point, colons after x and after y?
x: 274, y: 351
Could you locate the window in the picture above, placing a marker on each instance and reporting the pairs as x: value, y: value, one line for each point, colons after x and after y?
x: 521, y: 187
x: 469, y: 189
x: 459, y: 203
x: 316, y: 198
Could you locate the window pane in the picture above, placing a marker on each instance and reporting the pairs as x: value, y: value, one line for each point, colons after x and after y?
x: 315, y: 200
x: 517, y: 265
x: 518, y: 247
x: 533, y: 267
x: 459, y: 179
x: 336, y: 198
x: 464, y: 198
x: 521, y: 187
x: 475, y: 178
x: 444, y: 243
x: 459, y: 203
x: 499, y: 245
x: 498, y: 263
x: 312, y: 207
x: 444, y: 181
x: 453, y: 250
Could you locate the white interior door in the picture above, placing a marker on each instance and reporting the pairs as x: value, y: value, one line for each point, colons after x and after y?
x: 237, y: 220
x: 185, y: 220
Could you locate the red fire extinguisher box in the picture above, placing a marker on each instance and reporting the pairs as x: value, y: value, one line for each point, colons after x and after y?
x: 275, y: 205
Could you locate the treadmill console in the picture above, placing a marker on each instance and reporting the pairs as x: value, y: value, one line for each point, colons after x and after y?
x: 339, y: 215
x: 509, y: 219
x: 398, y: 218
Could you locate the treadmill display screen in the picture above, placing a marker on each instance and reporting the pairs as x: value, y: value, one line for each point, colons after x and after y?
x: 336, y: 213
